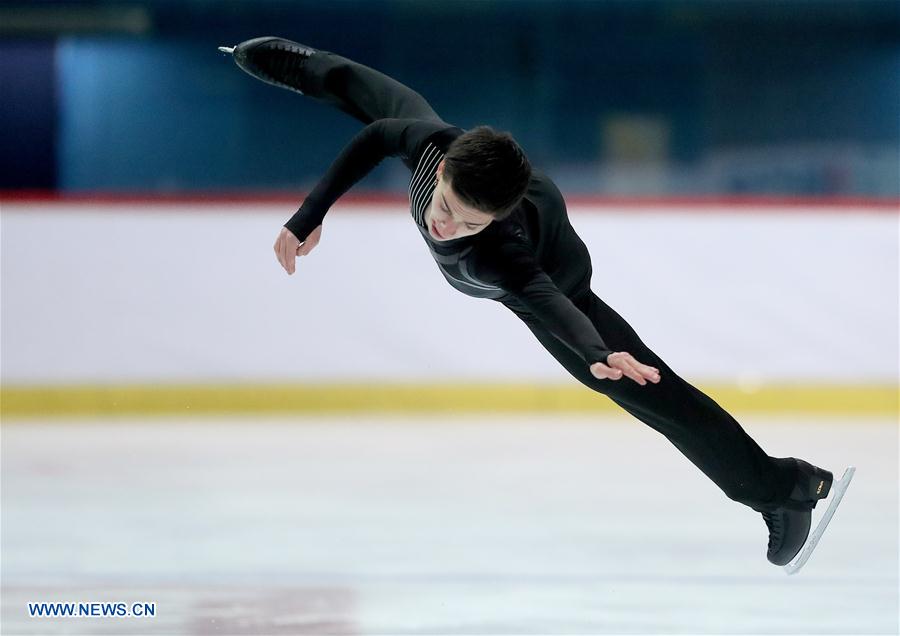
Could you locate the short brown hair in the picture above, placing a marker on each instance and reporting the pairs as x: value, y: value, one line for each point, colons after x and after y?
x: 488, y: 170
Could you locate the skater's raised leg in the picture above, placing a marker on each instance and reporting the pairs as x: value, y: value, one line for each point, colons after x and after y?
x: 354, y: 88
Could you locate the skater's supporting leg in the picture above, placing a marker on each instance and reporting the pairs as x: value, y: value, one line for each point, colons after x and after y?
x: 701, y: 429
x: 704, y: 432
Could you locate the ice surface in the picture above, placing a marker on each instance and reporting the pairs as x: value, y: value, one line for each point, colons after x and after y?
x: 430, y: 526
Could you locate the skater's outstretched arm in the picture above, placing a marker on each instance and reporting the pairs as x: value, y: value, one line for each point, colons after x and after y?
x: 380, y: 139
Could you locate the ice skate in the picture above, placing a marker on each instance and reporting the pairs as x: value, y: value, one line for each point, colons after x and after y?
x: 273, y: 60
x: 789, y: 525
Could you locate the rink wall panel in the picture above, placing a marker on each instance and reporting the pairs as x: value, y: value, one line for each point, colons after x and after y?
x: 188, y: 293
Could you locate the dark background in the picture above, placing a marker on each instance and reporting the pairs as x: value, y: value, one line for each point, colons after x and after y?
x: 623, y: 98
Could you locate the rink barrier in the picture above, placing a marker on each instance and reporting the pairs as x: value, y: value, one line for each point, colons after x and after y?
x: 301, y: 399
x: 105, y: 330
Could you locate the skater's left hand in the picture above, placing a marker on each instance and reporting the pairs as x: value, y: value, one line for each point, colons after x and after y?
x: 623, y: 363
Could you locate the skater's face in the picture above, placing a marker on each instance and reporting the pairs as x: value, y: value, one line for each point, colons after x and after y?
x: 447, y: 217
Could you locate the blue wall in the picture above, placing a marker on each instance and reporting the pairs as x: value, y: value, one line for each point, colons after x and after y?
x: 167, y: 112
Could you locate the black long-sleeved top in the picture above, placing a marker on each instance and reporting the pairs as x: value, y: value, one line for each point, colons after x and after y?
x: 532, y: 261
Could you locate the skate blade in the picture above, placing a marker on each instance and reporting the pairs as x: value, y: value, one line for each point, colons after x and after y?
x: 837, y: 490
x: 227, y: 49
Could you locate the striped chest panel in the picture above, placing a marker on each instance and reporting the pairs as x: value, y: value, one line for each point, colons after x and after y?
x: 455, y: 264
x: 423, y: 182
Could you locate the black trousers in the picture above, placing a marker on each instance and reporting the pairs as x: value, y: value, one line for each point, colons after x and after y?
x: 698, y: 427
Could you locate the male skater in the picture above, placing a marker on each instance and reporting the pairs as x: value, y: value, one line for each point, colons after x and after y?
x: 498, y: 229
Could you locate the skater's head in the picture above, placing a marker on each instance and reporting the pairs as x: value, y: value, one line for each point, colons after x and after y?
x: 482, y: 178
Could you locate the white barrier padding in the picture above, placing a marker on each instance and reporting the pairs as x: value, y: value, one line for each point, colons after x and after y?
x: 180, y: 293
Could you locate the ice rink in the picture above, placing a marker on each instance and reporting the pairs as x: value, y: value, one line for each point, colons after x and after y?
x: 575, y: 525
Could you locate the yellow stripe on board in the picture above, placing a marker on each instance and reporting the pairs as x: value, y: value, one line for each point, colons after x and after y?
x: 148, y: 400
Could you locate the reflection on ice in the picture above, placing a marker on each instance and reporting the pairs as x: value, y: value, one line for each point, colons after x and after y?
x: 414, y: 526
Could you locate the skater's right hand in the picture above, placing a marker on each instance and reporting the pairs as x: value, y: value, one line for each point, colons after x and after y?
x: 288, y: 247
x: 623, y: 363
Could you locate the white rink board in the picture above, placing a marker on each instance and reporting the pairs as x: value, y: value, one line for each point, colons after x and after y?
x: 181, y: 293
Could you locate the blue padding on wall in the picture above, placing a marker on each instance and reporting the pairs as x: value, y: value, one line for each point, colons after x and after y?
x: 172, y: 114
x: 169, y: 116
